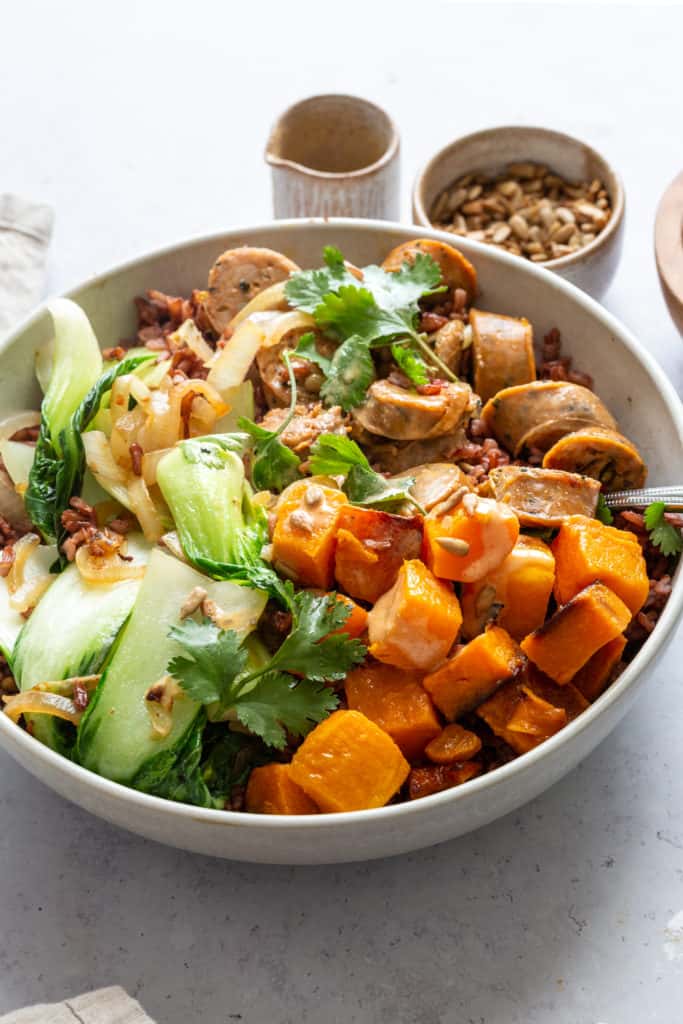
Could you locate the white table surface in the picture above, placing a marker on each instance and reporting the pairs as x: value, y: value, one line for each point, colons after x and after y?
x: 144, y: 124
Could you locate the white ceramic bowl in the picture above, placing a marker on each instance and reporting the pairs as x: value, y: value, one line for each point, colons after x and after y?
x: 626, y: 378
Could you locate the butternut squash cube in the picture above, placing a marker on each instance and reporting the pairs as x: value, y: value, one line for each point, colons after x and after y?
x: 474, y: 672
x: 415, y: 624
x: 484, y: 529
x: 522, y: 584
x: 395, y: 700
x: 435, y: 778
x: 357, y: 622
x: 520, y: 717
x: 586, y: 551
x: 371, y: 547
x: 305, y: 534
x: 593, y: 678
x: 576, y: 631
x: 347, y: 763
x: 271, y: 790
x: 453, y: 744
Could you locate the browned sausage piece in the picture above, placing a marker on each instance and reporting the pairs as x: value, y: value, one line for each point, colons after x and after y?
x: 502, y: 352
x: 394, y: 412
x: 434, y: 482
x: 536, y: 415
x: 449, y: 343
x: 456, y: 271
x: 602, y: 454
x: 237, y: 276
x: 544, y: 497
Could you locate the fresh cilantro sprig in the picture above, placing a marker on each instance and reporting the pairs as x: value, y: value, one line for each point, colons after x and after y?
x: 663, y: 535
x: 380, y: 310
x: 274, y: 465
x: 338, y: 455
x: 408, y: 360
x: 603, y: 511
x: 288, y: 692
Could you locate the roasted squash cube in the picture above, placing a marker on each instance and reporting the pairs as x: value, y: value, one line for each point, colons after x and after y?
x: 469, y: 541
x: 357, y: 622
x: 593, y: 678
x: 586, y: 551
x: 520, y: 717
x: 371, y: 547
x: 563, y: 645
x: 437, y: 777
x: 395, y: 700
x: 347, y: 763
x: 271, y: 790
x: 416, y: 623
x: 454, y: 743
x: 522, y: 585
x: 474, y: 672
x: 305, y: 533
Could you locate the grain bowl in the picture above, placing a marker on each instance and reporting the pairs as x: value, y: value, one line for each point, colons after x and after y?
x: 597, y: 343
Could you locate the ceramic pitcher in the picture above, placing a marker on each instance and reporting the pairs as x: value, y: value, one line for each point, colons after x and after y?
x: 335, y: 156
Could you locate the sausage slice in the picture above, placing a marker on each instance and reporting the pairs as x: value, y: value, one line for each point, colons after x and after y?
x: 602, y: 454
x: 456, y: 270
x: 538, y: 414
x: 394, y: 412
x: 544, y: 497
x: 502, y: 351
x: 237, y: 276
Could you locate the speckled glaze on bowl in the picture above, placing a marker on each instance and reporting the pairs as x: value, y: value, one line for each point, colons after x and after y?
x: 335, y: 156
x: 590, y: 268
x: 626, y: 377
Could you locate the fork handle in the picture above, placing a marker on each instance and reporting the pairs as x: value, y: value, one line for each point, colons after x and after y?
x: 672, y: 496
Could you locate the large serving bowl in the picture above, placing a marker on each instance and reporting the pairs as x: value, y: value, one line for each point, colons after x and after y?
x: 629, y: 381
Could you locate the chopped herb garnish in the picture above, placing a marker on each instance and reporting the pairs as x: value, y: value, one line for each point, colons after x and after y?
x: 338, y: 455
x: 603, y: 511
x: 663, y: 535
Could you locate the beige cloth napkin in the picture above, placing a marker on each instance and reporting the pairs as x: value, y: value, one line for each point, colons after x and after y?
x: 106, y: 1006
x: 25, y: 232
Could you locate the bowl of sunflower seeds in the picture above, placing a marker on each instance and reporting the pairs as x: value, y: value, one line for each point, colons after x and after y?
x: 539, y: 194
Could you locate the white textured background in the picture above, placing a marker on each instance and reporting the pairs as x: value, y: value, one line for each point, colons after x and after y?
x: 144, y: 123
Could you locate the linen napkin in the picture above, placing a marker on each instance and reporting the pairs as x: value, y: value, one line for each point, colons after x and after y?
x: 25, y: 232
x: 105, y: 1006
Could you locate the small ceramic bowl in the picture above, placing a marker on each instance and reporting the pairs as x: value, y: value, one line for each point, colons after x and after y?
x: 669, y: 248
x: 490, y: 151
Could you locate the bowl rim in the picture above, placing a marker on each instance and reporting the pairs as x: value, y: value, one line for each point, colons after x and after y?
x: 13, y: 737
x: 617, y: 192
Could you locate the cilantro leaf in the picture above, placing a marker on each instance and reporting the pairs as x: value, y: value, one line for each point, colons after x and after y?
x: 270, y: 699
x: 365, y: 487
x: 306, y: 348
x: 307, y: 288
x: 350, y: 374
x: 337, y: 455
x: 310, y: 650
x: 352, y: 310
x: 228, y: 758
x: 217, y: 658
x: 405, y: 287
x: 277, y: 702
x: 334, y: 454
x: 411, y: 364
x: 603, y: 511
x: 663, y: 535
x: 275, y: 465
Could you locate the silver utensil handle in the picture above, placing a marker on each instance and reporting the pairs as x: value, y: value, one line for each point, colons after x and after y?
x: 672, y: 496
